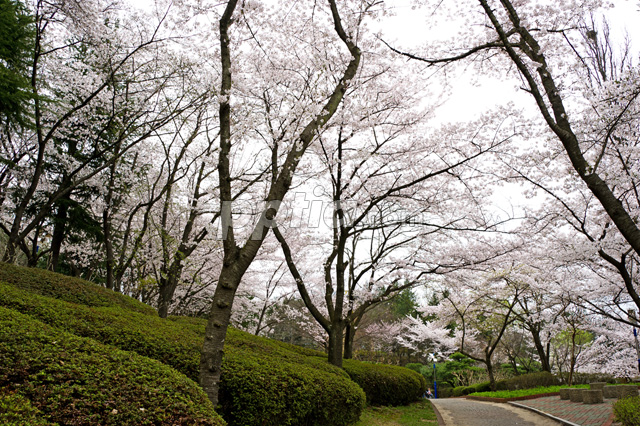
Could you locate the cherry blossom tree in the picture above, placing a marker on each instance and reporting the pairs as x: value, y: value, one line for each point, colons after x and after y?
x: 109, y: 85
x: 302, y: 113
x: 586, y: 94
x: 392, y: 216
x: 611, y: 350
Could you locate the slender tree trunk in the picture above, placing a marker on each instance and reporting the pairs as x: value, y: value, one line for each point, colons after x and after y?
x: 216, y: 330
x: 542, y: 354
x: 32, y: 258
x: 572, y: 359
x: 108, y: 246
x: 514, y: 365
x: 492, y: 378
x: 18, y: 213
x: 59, y: 229
x: 168, y: 287
x: 165, y: 296
x: 263, y: 311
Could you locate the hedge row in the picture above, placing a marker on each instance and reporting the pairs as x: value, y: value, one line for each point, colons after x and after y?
x: 528, y: 381
x: 465, y: 390
x: 148, y: 335
x: 258, y: 390
x: 48, y: 376
x: 386, y: 384
x: 261, y: 379
x: 524, y: 381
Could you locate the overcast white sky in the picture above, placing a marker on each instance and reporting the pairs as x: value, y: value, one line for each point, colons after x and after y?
x: 408, y: 30
x: 473, y: 95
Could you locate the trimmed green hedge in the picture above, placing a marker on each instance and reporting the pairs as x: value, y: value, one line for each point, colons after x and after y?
x: 69, y: 289
x: 279, y: 384
x: 462, y: 390
x: 258, y: 390
x: 386, y: 384
x: 444, y: 391
x: 627, y: 411
x: 51, y: 376
x: 528, y: 381
x: 481, y: 387
x: 148, y: 335
x: 524, y: 381
x: 16, y: 409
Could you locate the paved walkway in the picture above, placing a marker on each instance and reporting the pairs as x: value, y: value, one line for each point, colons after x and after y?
x: 466, y: 412
x: 545, y: 411
x: 572, y: 412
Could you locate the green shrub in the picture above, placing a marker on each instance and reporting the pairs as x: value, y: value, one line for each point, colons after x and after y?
x: 265, y: 390
x: 147, y: 335
x: 458, y: 391
x: 627, y: 411
x: 459, y: 370
x: 586, y: 378
x: 526, y: 392
x: 69, y: 289
x: 462, y: 390
x: 527, y: 381
x: 524, y: 366
x: 386, y: 384
x: 16, y: 409
x: 445, y: 391
x: 55, y: 377
x: 501, y: 385
x: 482, y: 387
x: 467, y: 390
x: 415, y: 366
x: 177, y: 341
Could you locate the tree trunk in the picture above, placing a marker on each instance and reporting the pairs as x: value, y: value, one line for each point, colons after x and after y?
x: 32, y: 258
x: 236, y: 260
x: 349, y: 335
x: 335, y: 344
x: 492, y: 379
x: 216, y: 331
x: 572, y: 359
x: 542, y: 354
x: 263, y: 311
x: 59, y: 232
x: 167, y: 289
x: 547, y: 94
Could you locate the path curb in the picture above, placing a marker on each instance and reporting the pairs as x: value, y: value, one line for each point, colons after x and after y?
x: 515, y: 398
x: 438, y: 415
x: 542, y: 413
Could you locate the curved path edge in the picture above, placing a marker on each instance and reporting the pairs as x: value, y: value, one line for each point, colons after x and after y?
x: 463, y: 411
x: 542, y: 413
x: 438, y: 415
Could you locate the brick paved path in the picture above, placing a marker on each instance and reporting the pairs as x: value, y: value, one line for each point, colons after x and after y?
x: 574, y: 412
x: 465, y: 412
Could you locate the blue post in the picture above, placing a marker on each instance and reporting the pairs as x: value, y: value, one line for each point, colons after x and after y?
x: 435, y: 384
x: 631, y: 314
